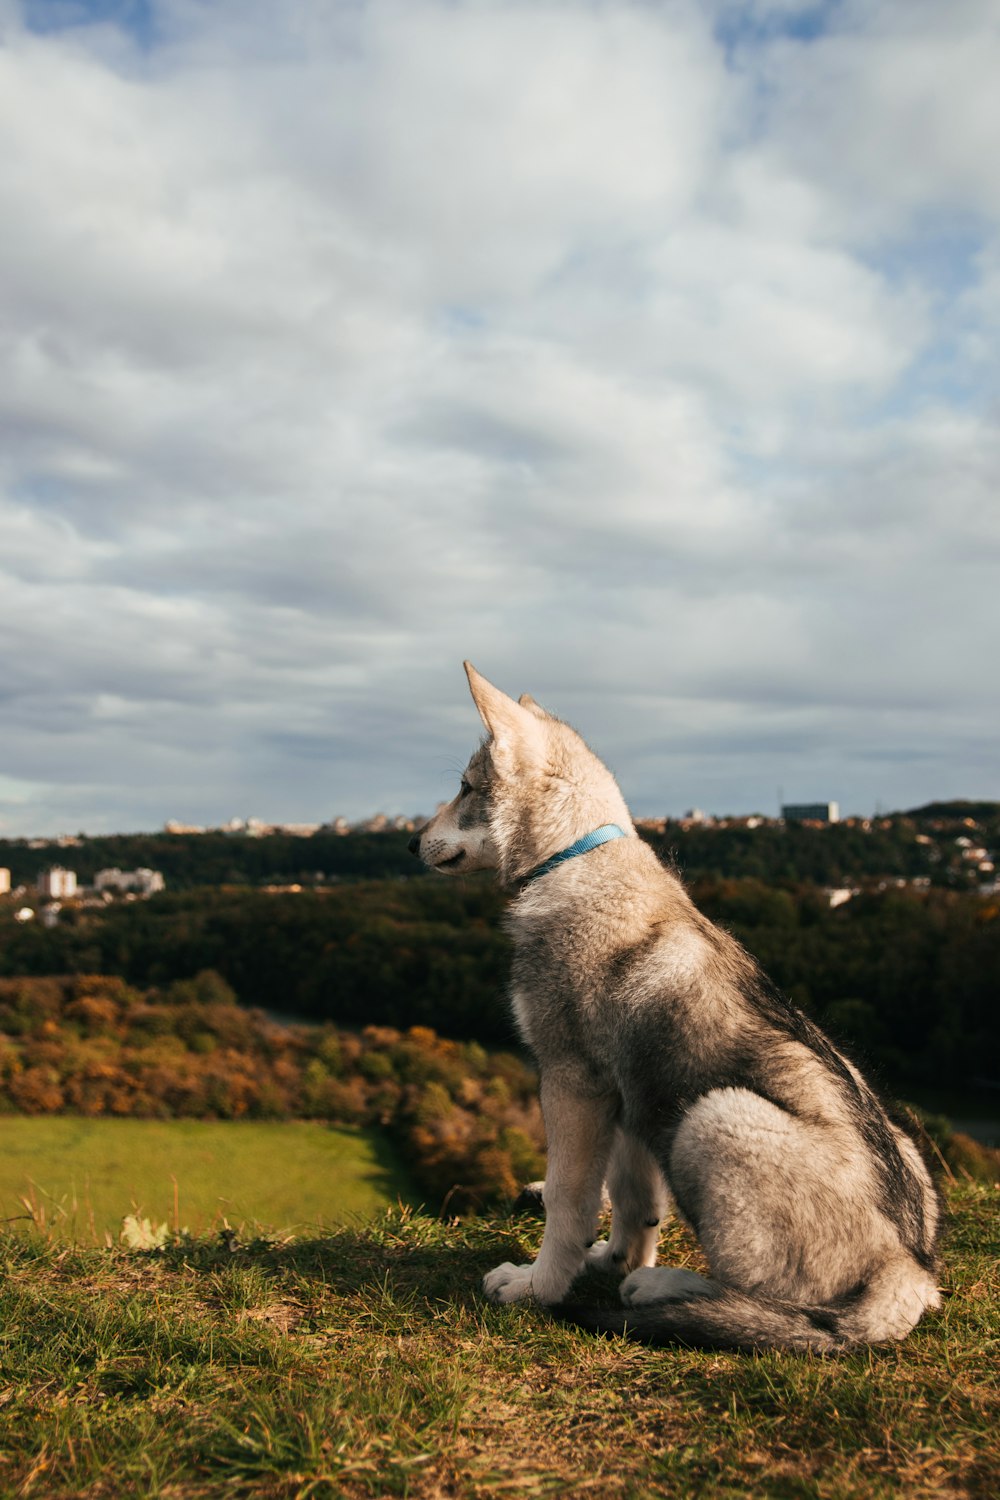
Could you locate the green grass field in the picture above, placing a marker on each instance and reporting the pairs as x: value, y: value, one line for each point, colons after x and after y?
x: 363, y: 1363
x: 78, y: 1178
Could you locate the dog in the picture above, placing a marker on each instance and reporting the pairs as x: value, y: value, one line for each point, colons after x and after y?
x: 674, y: 1072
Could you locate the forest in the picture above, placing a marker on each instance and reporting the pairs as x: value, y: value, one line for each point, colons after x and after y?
x: 906, y: 978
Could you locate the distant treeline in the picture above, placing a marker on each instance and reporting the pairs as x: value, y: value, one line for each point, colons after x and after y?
x: 399, y: 953
x: 909, y: 979
x: 841, y: 854
x: 466, y: 1122
x: 187, y: 861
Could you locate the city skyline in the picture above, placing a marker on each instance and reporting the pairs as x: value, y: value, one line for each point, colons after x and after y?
x: 379, y: 821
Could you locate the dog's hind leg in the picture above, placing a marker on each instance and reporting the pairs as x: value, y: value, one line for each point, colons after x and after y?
x: 580, y: 1129
x: 639, y: 1202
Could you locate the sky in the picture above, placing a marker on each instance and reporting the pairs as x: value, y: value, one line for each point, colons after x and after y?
x: 644, y: 352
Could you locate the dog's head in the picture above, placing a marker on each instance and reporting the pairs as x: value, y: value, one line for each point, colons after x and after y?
x: 530, y: 789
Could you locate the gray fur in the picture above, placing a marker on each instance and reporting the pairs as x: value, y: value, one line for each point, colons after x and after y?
x: 671, y: 1069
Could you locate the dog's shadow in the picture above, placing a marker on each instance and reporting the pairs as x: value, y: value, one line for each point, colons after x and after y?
x: 373, y: 1265
x: 355, y: 1262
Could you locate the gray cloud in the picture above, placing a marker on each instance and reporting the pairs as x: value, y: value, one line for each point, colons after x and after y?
x: 638, y: 353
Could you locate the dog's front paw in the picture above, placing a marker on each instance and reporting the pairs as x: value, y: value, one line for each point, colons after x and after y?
x: 508, y: 1283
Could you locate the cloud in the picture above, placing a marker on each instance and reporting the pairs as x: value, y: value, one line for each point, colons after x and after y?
x: 893, y: 112
x: 633, y: 351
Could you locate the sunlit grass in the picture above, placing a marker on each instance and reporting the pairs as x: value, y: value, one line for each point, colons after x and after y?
x: 79, y: 1177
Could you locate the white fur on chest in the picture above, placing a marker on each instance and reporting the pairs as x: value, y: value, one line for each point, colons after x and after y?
x: 520, y: 1001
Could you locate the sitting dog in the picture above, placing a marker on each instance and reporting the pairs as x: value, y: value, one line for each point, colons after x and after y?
x: 671, y: 1069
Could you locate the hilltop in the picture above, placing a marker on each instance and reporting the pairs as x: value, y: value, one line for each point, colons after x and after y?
x: 365, y: 1363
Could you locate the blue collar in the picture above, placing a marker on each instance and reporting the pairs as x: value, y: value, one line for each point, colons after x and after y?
x: 602, y: 835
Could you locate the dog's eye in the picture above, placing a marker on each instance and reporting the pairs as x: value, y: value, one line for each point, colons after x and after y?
x: 465, y: 788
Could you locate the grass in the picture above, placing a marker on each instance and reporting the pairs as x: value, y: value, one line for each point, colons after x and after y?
x: 363, y: 1363
x: 78, y: 1178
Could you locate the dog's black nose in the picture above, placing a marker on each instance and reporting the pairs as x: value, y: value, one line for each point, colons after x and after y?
x: 414, y: 844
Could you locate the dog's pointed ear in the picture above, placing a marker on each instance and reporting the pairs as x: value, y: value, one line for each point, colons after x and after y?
x: 497, y: 711
x: 528, y: 702
x: 514, y: 730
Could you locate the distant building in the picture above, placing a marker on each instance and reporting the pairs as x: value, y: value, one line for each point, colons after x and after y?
x: 172, y: 825
x: 143, y: 882
x: 4, y: 882
x: 56, y: 883
x: 811, y: 812
x: 251, y: 828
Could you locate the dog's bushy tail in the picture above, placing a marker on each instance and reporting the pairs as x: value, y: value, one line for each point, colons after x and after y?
x: 726, y: 1319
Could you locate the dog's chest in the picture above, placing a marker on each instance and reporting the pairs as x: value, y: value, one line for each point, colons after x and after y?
x: 563, y: 987
x: 556, y: 1013
x: 520, y: 1002
x: 549, y: 1021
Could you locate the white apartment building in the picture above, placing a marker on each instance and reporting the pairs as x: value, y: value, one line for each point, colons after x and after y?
x: 144, y: 882
x: 4, y: 882
x: 56, y: 883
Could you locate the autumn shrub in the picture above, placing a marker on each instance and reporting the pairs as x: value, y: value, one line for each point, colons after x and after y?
x: 36, y: 1091
x: 466, y: 1121
x: 93, y: 1014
